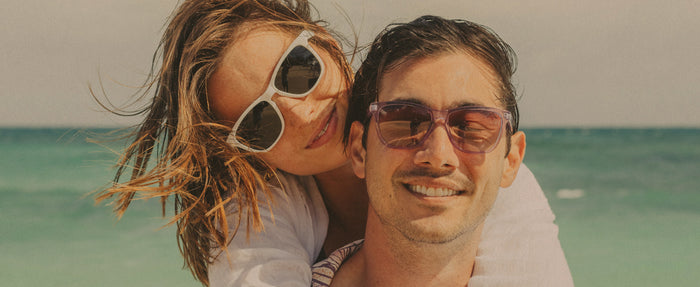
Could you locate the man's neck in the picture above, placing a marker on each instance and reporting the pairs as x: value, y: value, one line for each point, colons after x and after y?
x: 389, y: 259
x: 346, y: 200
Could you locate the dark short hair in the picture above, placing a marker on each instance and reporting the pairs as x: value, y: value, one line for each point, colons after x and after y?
x: 429, y: 36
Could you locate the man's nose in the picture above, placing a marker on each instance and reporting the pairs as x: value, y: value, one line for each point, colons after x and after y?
x: 437, y: 150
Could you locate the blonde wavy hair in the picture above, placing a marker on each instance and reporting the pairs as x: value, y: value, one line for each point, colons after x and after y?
x: 179, y: 151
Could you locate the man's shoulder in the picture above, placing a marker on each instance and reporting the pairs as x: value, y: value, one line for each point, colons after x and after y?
x: 324, y: 271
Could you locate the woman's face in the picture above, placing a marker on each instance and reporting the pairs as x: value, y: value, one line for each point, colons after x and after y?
x: 311, y: 142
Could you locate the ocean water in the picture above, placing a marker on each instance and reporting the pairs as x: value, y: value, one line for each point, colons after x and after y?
x: 627, y: 203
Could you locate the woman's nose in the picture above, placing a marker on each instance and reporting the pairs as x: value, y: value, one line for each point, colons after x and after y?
x: 300, y: 111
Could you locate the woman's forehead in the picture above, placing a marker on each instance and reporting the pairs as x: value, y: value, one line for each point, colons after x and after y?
x: 245, y: 70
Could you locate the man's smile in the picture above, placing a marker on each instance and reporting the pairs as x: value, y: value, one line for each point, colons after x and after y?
x: 433, y: 191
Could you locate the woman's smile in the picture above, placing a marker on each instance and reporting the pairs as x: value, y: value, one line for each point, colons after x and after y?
x: 326, y: 130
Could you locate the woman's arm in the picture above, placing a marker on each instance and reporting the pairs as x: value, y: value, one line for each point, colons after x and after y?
x: 520, y: 244
x: 282, y: 254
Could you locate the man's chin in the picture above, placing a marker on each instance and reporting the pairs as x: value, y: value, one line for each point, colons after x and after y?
x: 434, y: 231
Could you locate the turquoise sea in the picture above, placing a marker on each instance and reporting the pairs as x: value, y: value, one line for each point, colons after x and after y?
x: 627, y: 203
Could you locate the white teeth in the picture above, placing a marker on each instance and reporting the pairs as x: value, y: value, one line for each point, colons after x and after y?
x: 323, y: 131
x: 430, y: 191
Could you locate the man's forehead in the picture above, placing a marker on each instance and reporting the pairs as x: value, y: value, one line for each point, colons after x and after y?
x: 442, y: 81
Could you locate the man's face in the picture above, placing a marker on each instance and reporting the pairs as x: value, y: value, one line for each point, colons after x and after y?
x: 434, y: 193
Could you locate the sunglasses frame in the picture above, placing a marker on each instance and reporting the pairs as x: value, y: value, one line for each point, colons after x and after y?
x: 437, y: 116
x: 271, y: 90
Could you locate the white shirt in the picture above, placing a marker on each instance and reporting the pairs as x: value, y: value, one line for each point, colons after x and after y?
x: 519, y: 244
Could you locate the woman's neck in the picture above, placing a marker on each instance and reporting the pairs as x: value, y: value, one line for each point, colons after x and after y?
x: 345, y: 197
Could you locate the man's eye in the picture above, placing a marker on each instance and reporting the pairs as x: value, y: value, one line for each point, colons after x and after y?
x: 469, y: 126
x: 471, y: 131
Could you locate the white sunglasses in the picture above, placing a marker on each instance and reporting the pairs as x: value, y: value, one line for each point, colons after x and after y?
x: 296, y: 75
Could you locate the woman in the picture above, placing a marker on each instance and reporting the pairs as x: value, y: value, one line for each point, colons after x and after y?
x: 248, y: 93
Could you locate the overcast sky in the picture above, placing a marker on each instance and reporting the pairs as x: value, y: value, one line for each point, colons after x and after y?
x: 581, y: 63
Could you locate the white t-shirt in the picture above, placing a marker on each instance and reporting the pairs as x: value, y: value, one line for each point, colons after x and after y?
x: 519, y: 245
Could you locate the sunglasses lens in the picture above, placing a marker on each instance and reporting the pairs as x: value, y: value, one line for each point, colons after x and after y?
x: 261, y: 127
x: 403, y: 126
x: 474, y: 130
x: 299, y: 71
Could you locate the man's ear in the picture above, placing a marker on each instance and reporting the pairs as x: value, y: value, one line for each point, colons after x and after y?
x: 357, y: 151
x: 513, y: 159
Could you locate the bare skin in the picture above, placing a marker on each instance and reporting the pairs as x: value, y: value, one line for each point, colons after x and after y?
x: 345, y: 197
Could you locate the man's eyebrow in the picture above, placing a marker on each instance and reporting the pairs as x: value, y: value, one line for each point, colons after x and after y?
x: 455, y: 105
x: 411, y: 100
x: 465, y: 104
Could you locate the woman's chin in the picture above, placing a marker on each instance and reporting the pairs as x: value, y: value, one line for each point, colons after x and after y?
x: 311, y: 165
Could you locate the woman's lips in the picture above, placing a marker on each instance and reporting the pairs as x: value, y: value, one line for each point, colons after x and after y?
x: 325, y: 133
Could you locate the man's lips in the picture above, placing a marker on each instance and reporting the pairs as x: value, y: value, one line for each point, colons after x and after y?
x: 433, y: 183
x: 433, y: 191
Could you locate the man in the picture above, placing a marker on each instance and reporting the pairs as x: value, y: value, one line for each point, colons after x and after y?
x: 439, y: 140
